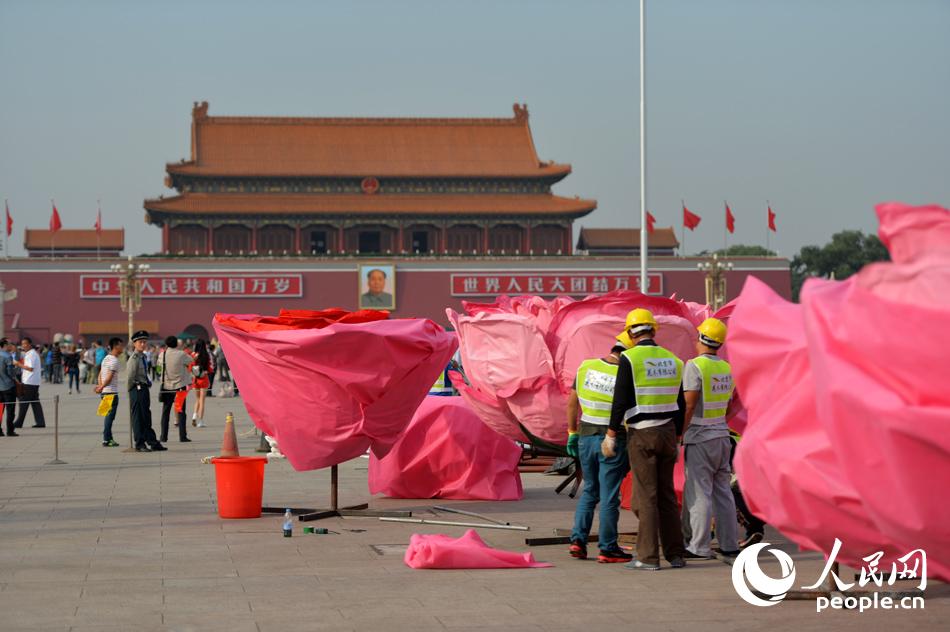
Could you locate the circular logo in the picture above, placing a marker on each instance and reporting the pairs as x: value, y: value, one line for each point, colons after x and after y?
x: 369, y: 185
x: 746, y: 573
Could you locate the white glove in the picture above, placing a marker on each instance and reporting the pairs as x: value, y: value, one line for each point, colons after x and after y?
x: 609, y: 446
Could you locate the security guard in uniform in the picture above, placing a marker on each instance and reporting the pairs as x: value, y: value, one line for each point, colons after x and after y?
x: 593, y: 395
x: 139, y: 403
x: 649, y: 403
x: 708, y: 389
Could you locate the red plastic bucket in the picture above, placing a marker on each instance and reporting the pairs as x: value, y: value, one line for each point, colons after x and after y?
x: 240, y: 481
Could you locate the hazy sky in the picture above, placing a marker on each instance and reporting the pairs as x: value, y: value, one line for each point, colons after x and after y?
x: 825, y: 107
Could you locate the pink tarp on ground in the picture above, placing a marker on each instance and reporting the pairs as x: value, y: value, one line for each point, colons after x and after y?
x: 468, y: 551
x: 848, y: 400
x: 328, y: 385
x: 447, y: 452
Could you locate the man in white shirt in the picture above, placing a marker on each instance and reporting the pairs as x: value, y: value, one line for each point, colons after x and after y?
x: 32, y: 368
x: 108, y: 381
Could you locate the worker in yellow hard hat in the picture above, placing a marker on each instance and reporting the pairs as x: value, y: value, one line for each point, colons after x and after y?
x: 708, y: 388
x: 591, y: 399
x: 646, y: 414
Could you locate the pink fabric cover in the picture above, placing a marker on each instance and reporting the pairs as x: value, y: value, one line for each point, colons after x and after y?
x: 848, y: 400
x: 521, y: 354
x: 328, y: 394
x: 468, y: 551
x: 447, y: 452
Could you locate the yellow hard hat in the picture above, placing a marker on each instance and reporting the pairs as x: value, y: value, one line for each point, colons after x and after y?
x: 624, y: 338
x: 712, y: 332
x: 638, y: 319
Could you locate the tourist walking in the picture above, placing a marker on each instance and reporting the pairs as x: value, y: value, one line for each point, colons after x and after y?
x: 200, y: 382
x: 71, y: 364
x: 8, y: 381
x: 173, y: 364
x: 108, y: 384
x: 31, y: 367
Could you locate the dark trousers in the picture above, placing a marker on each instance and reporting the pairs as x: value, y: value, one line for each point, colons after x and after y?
x: 30, y: 394
x: 653, y: 453
x: 109, y: 418
x: 141, y: 412
x: 74, y: 375
x: 168, y: 405
x: 8, y: 398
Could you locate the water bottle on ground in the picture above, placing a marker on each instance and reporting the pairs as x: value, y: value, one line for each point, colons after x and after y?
x: 288, y: 524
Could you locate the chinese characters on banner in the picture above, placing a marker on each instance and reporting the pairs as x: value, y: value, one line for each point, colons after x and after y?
x: 183, y: 285
x: 551, y: 284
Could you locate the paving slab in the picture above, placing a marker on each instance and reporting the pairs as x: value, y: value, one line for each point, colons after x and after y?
x: 130, y: 541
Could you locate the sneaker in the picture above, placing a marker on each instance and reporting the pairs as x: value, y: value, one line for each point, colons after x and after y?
x: 142, y: 448
x: 12, y: 434
x: 755, y: 538
x: 614, y: 556
x: 637, y: 565
x: 578, y: 550
x: 70, y: 392
x: 185, y: 440
x: 158, y: 447
x: 201, y: 424
x: 695, y: 556
x: 194, y: 422
x: 112, y: 443
x: 677, y: 562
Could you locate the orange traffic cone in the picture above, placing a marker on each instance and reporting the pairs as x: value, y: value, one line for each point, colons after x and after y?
x: 229, y: 445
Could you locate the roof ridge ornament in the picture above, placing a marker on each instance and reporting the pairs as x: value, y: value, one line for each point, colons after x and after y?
x: 521, y: 111
x: 199, y: 111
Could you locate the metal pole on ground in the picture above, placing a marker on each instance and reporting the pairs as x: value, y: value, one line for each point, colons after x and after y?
x: 56, y: 460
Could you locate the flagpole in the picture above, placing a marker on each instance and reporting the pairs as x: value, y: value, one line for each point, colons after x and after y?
x: 768, y: 216
x: 6, y: 236
x: 644, y: 286
x: 98, y: 229
x: 52, y: 236
x: 683, y: 229
x: 725, y: 228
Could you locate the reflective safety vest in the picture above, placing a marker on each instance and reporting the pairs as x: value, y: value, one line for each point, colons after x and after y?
x: 595, y: 390
x: 657, y: 377
x: 717, y: 389
x: 443, y: 385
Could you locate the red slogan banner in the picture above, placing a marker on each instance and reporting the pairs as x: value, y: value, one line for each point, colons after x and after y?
x: 177, y: 285
x: 551, y: 284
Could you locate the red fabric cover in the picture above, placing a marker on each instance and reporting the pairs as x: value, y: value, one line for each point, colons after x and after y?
x: 328, y: 385
x: 848, y: 402
x: 447, y: 452
x: 468, y: 551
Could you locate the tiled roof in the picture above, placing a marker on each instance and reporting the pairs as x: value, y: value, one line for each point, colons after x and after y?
x: 74, y: 239
x: 279, y: 204
x: 624, y: 238
x: 358, y: 147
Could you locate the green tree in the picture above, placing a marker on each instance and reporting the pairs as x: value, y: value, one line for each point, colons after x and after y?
x: 846, y: 253
x: 740, y: 250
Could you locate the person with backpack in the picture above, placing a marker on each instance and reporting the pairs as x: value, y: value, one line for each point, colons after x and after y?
x: 200, y: 382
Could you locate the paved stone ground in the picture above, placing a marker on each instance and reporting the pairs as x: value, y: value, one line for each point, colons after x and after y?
x: 116, y: 541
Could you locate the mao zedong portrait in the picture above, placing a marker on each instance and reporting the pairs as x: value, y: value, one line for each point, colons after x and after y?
x: 376, y: 281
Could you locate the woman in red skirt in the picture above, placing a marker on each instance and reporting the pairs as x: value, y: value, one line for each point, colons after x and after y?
x: 200, y: 382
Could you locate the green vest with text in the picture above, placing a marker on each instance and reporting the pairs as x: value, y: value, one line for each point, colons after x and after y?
x: 595, y: 390
x: 657, y: 377
x: 717, y: 389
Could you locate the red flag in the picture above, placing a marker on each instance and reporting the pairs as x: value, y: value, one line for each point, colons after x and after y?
x: 690, y: 220
x: 99, y: 223
x: 9, y: 220
x: 650, y: 222
x: 772, y: 220
x: 54, y: 223
x: 730, y: 220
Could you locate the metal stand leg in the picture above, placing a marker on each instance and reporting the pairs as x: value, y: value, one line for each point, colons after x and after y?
x: 335, y: 511
x: 56, y: 460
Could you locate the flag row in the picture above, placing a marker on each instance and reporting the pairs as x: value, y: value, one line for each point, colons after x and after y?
x: 691, y: 220
x: 55, y: 224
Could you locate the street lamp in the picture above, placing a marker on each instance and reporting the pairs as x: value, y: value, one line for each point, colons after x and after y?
x: 130, y: 299
x: 130, y: 288
x: 715, y: 280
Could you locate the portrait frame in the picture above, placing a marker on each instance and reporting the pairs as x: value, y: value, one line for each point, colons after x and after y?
x: 365, y: 298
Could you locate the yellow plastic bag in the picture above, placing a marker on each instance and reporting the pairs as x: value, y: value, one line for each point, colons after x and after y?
x: 105, y: 405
